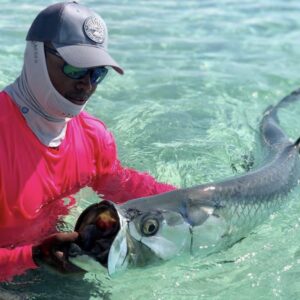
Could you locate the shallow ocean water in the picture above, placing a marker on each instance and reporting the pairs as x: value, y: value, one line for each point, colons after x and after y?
x: 198, y: 76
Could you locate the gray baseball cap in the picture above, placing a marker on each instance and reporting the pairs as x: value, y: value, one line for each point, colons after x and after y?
x: 78, y: 34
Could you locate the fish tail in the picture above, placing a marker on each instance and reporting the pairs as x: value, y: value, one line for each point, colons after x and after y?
x: 292, y: 97
x: 272, y: 109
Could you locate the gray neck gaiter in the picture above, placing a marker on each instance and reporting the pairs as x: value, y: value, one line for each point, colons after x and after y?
x: 46, y: 111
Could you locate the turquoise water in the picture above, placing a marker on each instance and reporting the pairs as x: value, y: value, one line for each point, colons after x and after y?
x: 198, y: 76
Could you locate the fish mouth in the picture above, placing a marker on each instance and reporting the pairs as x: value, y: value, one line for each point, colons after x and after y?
x: 97, y: 226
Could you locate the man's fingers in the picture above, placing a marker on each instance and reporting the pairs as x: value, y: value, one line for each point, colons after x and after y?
x: 66, y: 236
x: 63, y: 237
x: 54, y: 248
x: 59, y: 255
x: 63, y: 264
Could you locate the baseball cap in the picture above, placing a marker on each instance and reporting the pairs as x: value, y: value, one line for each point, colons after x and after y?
x: 78, y: 34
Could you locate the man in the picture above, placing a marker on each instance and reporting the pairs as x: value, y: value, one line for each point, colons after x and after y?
x: 49, y: 147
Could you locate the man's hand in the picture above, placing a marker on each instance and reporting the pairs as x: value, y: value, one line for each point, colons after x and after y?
x: 52, y: 251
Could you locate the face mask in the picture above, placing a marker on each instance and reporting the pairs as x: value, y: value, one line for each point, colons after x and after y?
x: 46, y: 111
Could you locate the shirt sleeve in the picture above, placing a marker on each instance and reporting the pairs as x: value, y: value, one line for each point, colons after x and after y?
x: 120, y: 184
x: 15, y: 262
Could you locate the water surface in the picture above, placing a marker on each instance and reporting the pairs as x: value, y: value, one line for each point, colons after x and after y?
x: 198, y: 76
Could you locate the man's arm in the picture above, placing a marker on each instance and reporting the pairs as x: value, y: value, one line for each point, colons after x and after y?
x: 50, y: 252
x: 15, y: 262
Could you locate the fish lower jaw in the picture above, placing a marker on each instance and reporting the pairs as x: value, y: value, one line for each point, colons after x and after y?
x: 87, y: 263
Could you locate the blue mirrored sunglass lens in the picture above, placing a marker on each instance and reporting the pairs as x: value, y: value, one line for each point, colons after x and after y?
x: 98, y: 74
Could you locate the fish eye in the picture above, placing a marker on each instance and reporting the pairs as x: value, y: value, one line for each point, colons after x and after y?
x: 149, y: 227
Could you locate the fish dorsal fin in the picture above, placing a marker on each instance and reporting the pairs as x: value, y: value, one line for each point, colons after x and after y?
x: 297, y: 144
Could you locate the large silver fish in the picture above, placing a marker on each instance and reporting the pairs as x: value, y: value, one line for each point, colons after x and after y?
x: 199, y: 220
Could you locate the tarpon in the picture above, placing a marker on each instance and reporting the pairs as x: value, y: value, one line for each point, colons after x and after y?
x: 198, y: 220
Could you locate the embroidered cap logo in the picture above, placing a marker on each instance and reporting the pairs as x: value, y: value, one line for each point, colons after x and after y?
x: 94, y: 29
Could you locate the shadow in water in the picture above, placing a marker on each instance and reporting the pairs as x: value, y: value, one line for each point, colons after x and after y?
x: 44, y: 284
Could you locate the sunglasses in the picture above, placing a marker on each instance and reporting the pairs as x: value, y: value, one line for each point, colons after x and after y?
x: 96, y: 74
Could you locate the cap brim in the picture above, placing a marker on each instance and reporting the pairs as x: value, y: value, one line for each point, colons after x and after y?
x: 86, y: 56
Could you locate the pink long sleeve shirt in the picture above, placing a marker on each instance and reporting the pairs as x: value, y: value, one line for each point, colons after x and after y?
x: 35, y: 180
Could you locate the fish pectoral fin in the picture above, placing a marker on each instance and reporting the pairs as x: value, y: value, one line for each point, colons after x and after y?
x: 196, y: 212
x: 208, y: 210
x: 199, y: 216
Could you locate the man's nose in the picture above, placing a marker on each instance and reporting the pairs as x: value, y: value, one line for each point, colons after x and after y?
x: 85, y: 83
